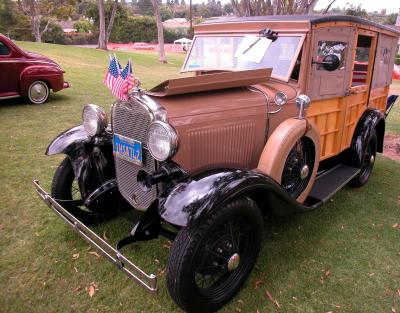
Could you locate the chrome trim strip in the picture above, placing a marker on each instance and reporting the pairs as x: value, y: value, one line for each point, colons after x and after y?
x: 29, y: 61
x: 148, y: 282
x: 10, y: 97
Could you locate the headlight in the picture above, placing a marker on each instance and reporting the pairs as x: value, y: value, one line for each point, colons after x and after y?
x: 94, y: 119
x: 280, y: 98
x: 162, y: 141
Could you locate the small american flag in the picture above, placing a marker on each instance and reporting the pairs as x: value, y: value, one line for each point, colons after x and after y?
x: 124, y: 83
x: 119, y: 81
x: 112, y: 73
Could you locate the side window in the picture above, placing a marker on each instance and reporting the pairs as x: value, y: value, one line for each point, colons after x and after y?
x: 360, y: 66
x: 338, y: 48
x: 4, y: 50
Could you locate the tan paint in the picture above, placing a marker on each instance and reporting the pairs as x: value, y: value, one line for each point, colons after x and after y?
x: 221, y: 128
x: 280, y: 143
x: 208, y: 82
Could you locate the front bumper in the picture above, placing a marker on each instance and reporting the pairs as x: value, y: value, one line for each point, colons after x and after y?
x: 147, y: 281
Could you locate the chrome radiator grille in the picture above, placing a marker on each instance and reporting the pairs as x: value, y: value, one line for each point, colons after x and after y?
x: 132, y: 120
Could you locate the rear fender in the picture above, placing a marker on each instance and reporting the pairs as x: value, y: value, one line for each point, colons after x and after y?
x: 194, y: 197
x: 371, y: 119
x: 391, y: 100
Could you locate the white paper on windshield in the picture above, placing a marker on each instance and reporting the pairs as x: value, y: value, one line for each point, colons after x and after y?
x: 252, y: 48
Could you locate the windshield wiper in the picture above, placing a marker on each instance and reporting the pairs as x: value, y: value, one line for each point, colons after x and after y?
x: 251, y: 46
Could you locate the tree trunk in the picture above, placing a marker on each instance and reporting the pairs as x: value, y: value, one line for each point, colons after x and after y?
x: 35, y: 24
x: 102, y: 30
x: 112, y: 18
x: 160, y: 32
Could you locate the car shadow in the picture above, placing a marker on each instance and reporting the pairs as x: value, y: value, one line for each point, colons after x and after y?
x: 4, y: 103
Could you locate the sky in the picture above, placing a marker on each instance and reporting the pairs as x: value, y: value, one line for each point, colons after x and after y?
x: 391, y: 6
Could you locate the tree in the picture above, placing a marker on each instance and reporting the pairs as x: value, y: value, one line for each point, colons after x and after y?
x: 103, y: 35
x: 7, y: 16
x: 145, y: 7
x: 160, y: 32
x: 102, y: 44
x: 272, y: 7
x: 39, y: 10
x: 356, y: 11
x: 390, y: 19
x: 227, y: 8
x: 166, y: 12
x: 83, y: 26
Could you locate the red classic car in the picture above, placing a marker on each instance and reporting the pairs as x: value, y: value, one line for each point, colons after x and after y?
x: 143, y: 46
x: 27, y: 74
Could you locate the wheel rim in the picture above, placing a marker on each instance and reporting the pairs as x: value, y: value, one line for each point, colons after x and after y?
x: 81, y: 212
x: 369, y: 160
x: 223, y: 257
x: 38, y: 92
x: 298, y: 167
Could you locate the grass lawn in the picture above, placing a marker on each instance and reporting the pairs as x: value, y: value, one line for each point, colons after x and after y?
x: 393, y: 121
x: 343, y: 257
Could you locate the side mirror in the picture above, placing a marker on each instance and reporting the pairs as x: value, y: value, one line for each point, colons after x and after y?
x: 330, y: 62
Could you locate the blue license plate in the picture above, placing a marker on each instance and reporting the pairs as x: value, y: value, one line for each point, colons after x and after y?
x: 128, y: 149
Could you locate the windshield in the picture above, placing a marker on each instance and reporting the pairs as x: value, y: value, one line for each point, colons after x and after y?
x: 244, y: 52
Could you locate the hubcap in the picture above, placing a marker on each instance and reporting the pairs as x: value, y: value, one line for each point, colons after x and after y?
x: 233, y: 262
x: 305, y: 170
x: 38, y: 92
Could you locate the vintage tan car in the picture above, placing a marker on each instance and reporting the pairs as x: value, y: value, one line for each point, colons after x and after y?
x: 280, y: 114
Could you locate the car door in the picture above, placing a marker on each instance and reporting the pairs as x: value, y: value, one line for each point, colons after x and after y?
x: 328, y: 88
x: 358, y: 92
x: 11, y: 64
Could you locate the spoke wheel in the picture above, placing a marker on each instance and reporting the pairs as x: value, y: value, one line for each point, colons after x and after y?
x: 209, y: 262
x: 298, y: 167
x: 220, y: 256
x: 65, y: 187
x: 368, y: 161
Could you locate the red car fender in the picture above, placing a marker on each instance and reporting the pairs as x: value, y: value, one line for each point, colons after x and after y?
x: 52, y: 75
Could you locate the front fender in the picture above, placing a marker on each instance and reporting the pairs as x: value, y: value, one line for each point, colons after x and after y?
x: 48, y: 73
x: 67, y: 141
x: 91, y: 158
x: 186, y: 202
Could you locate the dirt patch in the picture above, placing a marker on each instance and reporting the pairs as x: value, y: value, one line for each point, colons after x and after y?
x: 391, y: 147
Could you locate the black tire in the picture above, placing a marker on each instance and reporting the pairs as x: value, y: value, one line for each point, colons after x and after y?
x: 208, y: 249
x: 367, y: 162
x: 65, y: 187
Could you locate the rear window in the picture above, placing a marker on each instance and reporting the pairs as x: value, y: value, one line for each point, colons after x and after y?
x: 4, y: 50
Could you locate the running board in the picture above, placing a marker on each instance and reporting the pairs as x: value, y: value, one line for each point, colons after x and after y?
x: 330, y: 182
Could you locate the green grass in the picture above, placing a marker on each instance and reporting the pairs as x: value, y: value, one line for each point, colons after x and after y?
x: 393, y: 121
x: 345, y: 254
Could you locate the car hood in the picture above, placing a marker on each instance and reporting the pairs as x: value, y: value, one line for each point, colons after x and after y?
x: 40, y: 57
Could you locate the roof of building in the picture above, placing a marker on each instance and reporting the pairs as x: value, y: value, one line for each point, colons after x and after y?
x: 313, y: 19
